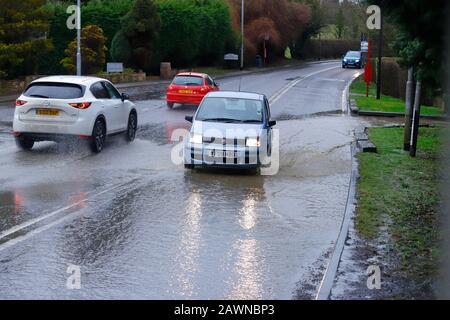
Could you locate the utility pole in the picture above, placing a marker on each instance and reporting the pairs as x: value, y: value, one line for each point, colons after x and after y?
x: 416, y: 118
x: 78, y: 38
x: 408, y: 109
x: 380, y: 53
x: 242, y: 34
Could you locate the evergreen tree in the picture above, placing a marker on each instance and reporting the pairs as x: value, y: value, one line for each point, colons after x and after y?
x: 141, y: 27
x: 23, y: 37
x: 93, y: 51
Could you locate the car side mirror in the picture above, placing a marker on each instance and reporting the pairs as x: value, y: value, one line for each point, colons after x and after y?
x: 272, y: 123
x: 125, y: 96
x: 189, y: 118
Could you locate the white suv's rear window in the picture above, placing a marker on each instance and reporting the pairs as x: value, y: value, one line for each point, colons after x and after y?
x: 54, y: 90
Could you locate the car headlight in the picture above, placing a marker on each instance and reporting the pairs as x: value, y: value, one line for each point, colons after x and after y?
x: 357, y: 60
x: 196, y: 139
x: 345, y: 60
x: 253, y: 142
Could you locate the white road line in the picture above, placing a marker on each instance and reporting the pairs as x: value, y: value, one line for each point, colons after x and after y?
x: 346, y: 94
x: 275, y: 97
x: 51, y: 214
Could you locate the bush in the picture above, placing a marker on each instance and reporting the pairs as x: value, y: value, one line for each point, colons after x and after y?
x: 283, y: 21
x: 23, y: 45
x: 120, y: 48
x: 393, y: 78
x: 104, y: 13
x: 193, y: 31
x: 328, y: 49
x: 141, y: 27
x: 93, y: 51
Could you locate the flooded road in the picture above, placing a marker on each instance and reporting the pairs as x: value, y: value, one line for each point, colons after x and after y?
x: 139, y: 226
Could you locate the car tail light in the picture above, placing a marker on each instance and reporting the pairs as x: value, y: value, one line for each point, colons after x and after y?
x: 170, y: 88
x: 81, y: 105
x: 20, y: 103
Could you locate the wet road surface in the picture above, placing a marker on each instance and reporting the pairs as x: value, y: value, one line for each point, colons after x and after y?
x: 141, y: 227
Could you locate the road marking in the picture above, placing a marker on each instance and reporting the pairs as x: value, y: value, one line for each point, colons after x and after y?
x: 275, y: 97
x: 53, y: 213
x: 331, y: 79
x: 346, y: 93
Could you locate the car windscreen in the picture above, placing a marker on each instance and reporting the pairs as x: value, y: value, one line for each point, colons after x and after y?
x: 230, y: 110
x: 188, y: 81
x: 352, y: 55
x: 54, y: 90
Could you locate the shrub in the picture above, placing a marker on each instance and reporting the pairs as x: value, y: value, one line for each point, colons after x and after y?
x: 328, y: 49
x: 193, y: 31
x: 141, y: 27
x: 23, y: 44
x: 93, y: 51
x: 282, y: 20
x: 104, y: 13
x: 393, y: 78
x: 120, y: 48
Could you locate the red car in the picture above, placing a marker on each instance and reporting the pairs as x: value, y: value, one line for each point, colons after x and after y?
x: 189, y: 88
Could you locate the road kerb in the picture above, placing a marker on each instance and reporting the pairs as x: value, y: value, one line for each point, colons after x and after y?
x: 326, y: 284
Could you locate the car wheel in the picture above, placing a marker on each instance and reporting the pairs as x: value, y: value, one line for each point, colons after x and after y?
x: 132, y: 127
x: 343, y: 67
x: 98, y: 136
x: 24, y: 143
x: 170, y: 105
x: 188, y: 166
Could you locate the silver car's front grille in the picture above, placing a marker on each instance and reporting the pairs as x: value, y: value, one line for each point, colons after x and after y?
x: 225, y: 141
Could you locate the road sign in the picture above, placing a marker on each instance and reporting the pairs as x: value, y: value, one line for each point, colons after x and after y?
x: 231, y: 57
x: 364, y: 46
x: 114, y: 67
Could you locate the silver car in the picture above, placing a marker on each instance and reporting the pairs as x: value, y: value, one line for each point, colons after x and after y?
x: 230, y: 130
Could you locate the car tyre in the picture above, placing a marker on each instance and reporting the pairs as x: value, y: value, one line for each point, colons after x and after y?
x: 98, y: 136
x: 24, y: 143
x: 132, y: 127
x: 188, y: 166
x: 170, y: 105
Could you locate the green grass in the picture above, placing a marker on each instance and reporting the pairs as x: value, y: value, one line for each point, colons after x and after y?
x: 402, y: 193
x: 386, y: 103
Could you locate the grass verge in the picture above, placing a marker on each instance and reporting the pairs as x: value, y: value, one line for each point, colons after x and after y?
x: 402, y: 193
x: 386, y: 103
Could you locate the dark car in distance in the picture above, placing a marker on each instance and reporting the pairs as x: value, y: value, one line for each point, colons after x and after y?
x: 352, y: 59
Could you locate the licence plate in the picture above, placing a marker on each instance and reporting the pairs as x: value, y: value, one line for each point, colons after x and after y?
x: 222, y: 154
x: 47, y: 112
x: 185, y: 91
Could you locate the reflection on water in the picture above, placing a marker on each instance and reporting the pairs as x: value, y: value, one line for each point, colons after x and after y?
x: 188, y: 249
x: 248, y: 264
x: 248, y: 271
x: 247, y: 215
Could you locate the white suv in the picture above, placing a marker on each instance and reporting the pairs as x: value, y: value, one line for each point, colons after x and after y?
x: 57, y: 107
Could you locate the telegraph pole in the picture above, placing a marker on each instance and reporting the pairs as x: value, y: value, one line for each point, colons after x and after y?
x: 408, y: 109
x: 78, y: 38
x: 416, y: 118
x: 380, y: 52
x: 242, y: 34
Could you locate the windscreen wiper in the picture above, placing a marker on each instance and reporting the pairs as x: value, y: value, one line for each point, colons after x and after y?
x: 221, y: 120
x: 38, y: 96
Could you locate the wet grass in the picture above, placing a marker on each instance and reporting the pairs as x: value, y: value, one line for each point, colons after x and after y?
x: 386, y: 103
x: 402, y: 194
